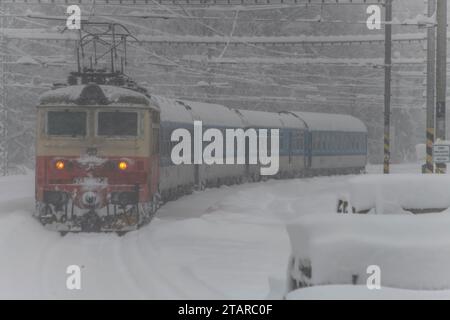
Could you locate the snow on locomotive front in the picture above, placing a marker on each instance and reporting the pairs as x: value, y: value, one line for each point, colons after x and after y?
x: 97, y: 159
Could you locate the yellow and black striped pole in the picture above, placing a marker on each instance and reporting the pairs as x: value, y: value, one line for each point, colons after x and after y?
x: 387, y: 152
x: 429, y: 168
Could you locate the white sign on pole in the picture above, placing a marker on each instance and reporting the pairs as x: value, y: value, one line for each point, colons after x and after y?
x: 441, y: 153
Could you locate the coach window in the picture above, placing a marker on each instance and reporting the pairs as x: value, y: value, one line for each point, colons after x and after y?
x: 318, y: 142
x: 66, y: 123
x: 282, y: 135
x: 346, y: 144
x: 301, y: 141
x: 117, y: 124
x: 294, y: 142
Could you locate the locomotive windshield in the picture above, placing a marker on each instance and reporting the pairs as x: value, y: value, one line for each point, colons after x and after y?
x: 65, y: 123
x: 117, y: 124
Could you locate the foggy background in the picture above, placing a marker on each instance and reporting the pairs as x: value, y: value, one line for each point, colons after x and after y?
x: 270, y: 78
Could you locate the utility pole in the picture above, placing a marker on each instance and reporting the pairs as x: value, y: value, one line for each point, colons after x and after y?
x: 441, y: 74
x: 387, y: 84
x: 431, y: 82
x: 3, y: 109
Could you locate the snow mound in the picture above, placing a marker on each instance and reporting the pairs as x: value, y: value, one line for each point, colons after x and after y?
x: 409, y: 191
x: 412, y: 251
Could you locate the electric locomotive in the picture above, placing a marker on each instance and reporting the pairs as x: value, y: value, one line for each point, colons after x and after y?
x: 97, y: 155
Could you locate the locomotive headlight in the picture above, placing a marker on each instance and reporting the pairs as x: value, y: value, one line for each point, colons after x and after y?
x: 123, y: 165
x: 60, y: 165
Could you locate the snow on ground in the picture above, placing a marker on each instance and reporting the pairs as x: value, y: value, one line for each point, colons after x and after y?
x: 411, y: 191
x: 412, y: 251
x: 362, y: 293
x: 219, y: 244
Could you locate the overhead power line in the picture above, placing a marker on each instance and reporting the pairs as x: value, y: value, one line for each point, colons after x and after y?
x: 324, y: 61
x: 202, y: 3
x: 42, y: 34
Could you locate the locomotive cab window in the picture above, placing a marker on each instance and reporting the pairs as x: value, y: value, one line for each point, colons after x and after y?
x: 114, y: 123
x: 66, y: 123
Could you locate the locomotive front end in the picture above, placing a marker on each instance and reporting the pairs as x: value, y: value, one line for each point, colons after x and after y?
x: 97, y: 165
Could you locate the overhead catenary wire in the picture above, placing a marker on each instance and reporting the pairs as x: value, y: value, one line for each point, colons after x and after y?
x: 201, y: 3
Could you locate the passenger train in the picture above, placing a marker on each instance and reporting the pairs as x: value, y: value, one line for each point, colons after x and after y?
x: 103, y: 153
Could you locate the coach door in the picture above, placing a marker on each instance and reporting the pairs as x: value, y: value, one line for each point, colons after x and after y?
x: 308, y: 145
x: 153, y: 173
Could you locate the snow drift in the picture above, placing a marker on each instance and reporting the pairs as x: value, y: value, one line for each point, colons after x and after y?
x: 408, y: 191
x: 413, y: 252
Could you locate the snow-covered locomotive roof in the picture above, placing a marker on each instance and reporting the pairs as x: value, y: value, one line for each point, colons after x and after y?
x: 261, y: 119
x: 331, y: 122
x: 93, y: 94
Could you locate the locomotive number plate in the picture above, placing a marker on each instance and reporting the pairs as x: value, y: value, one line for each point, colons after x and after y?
x: 90, y: 181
